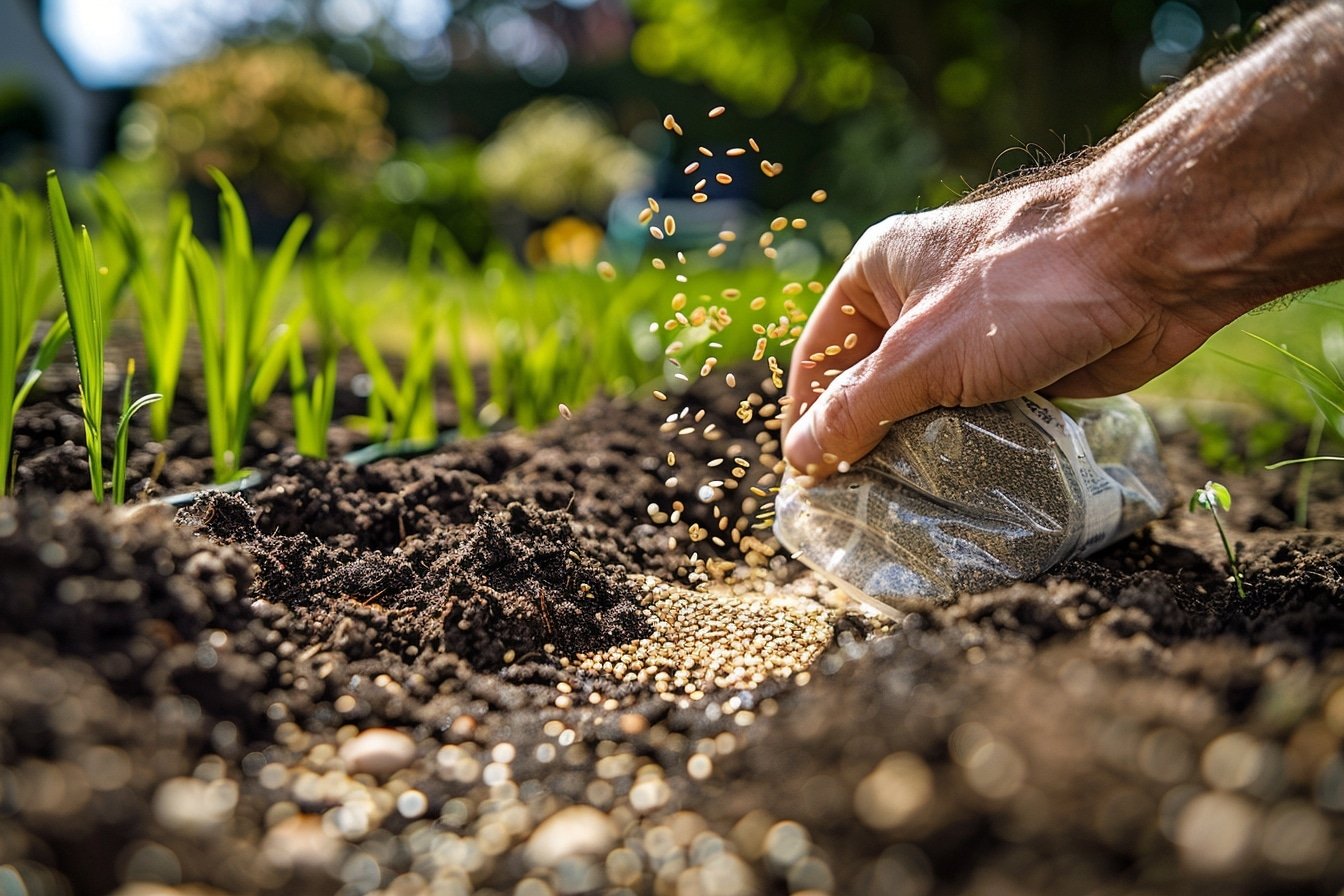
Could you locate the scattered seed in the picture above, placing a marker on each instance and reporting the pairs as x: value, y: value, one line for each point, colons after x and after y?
x: 606, y: 270
x: 670, y: 225
x: 736, y: 151
x: 816, y: 286
x: 770, y: 252
x: 679, y: 301
x: 848, y: 309
x: 670, y: 123
x: 730, y: 380
x: 656, y: 232
x: 730, y: 293
x: 779, y: 223
x: 793, y: 288
x: 766, y: 239
x: 751, y: 141
x: 758, y: 303
x: 717, y: 249
x: 653, y: 204
x: 681, y: 257
x: 671, y: 458
x: 717, y: 111
x: 771, y: 169
x: 727, y: 236
x: 723, y: 178
x: 799, y: 223
x: 645, y: 215
x: 706, y: 152
x: 565, y: 411
x: 818, y: 195
x: 660, y: 394
x: 698, y: 197
x: 851, y: 340
x: 691, y: 168
x: 658, y: 264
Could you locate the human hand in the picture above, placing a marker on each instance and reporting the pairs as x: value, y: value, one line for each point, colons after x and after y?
x: 1029, y: 290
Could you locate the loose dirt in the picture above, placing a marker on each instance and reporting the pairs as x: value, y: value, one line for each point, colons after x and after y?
x: 202, y: 700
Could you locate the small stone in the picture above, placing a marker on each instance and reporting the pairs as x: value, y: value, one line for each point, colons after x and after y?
x: 378, y: 751
x: 573, y: 831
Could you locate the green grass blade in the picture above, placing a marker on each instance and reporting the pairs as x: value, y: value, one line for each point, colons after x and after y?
x: 79, y: 282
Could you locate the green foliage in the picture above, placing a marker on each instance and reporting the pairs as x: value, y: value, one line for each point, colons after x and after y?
x: 88, y: 327
x: 1212, y: 497
x: 122, y: 443
x: 24, y: 285
x: 161, y: 291
x: 242, y: 355
x: 278, y: 119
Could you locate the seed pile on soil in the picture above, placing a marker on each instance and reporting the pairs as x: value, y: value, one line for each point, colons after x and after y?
x: 407, y: 677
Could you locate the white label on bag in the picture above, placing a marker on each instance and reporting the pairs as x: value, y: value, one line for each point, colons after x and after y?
x: 1102, y: 500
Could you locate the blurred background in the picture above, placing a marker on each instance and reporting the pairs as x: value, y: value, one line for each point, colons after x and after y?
x: 538, y: 123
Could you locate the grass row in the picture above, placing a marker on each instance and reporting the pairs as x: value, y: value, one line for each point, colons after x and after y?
x: 417, y: 325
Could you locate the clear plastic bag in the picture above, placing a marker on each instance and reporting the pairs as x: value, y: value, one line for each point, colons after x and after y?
x: 968, y: 499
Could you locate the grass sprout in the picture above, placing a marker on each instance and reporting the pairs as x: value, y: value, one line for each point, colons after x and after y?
x: 24, y: 286
x: 121, y: 445
x: 88, y: 327
x: 162, y: 292
x: 1212, y: 497
x: 243, y: 354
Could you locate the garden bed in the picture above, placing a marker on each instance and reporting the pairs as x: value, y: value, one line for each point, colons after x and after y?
x: 192, y: 698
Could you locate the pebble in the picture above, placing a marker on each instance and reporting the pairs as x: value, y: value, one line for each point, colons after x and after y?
x: 378, y: 751
x: 573, y: 831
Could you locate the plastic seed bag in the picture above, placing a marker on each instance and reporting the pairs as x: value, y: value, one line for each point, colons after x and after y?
x: 969, y: 499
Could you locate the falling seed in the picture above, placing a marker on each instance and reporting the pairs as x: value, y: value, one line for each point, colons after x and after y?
x: 816, y: 286
x: 658, y: 264
x: 770, y: 252
x: 707, y: 367
x: 848, y: 309
x: 645, y: 215
x: 606, y: 270
x: 705, y: 151
x: 691, y: 168
x: 681, y: 257
x: 730, y: 380
x: 723, y: 178
x: 736, y: 151
x: 792, y: 288
x: 727, y: 236
x: 699, y: 197
x: 851, y: 340
x: 779, y: 223
x: 670, y: 123
x: 717, y: 111
x: 818, y: 195
x: 717, y: 249
x: 771, y: 169
x: 714, y: 463
x: 760, y: 349
x: 656, y: 232
x: 670, y: 225
x: 730, y: 293
x: 766, y: 239
x: 565, y: 411
x: 660, y: 394
x: 799, y: 223
x: 758, y: 303
x: 679, y: 301
x: 671, y: 458
x: 751, y: 141
x: 700, y: 184
x: 653, y: 204
x: 681, y: 278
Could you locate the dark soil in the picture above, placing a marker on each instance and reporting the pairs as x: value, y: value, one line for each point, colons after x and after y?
x: 182, y: 695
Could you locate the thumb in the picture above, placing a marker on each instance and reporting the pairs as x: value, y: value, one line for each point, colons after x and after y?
x: 855, y: 411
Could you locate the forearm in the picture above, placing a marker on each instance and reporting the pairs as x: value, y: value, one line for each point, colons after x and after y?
x: 1233, y: 193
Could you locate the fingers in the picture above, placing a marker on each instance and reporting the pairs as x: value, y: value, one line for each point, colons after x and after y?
x: 846, y: 327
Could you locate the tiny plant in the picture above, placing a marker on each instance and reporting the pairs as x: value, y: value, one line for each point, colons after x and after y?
x: 1213, y: 497
x: 242, y: 353
x: 88, y: 326
x: 24, y: 284
x: 122, y: 443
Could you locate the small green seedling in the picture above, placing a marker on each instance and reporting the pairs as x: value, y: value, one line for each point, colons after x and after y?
x: 122, y: 444
x: 88, y: 326
x: 1212, y: 497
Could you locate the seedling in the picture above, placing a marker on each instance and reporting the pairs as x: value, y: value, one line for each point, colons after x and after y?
x: 79, y: 283
x: 122, y: 444
x: 162, y: 292
x: 1212, y: 497
x: 242, y: 354
x: 24, y: 285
